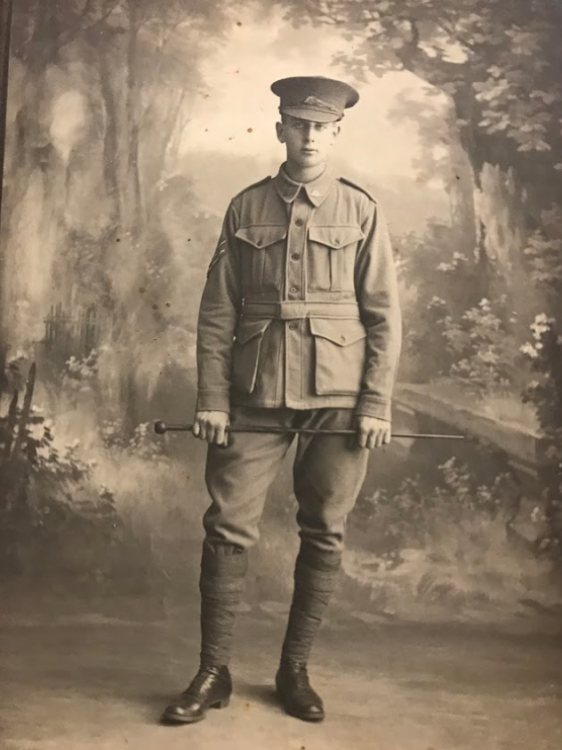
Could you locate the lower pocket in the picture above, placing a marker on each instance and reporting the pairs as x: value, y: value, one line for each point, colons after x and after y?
x: 339, y: 356
x: 246, y: 354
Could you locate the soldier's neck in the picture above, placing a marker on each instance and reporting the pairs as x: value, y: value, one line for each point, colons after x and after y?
x: 304, y: 174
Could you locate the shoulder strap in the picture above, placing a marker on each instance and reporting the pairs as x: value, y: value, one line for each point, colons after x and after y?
x: 253, y: 185
x: 357, y: 187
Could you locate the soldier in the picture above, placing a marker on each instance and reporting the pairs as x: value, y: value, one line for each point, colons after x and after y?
x: 299, y: 326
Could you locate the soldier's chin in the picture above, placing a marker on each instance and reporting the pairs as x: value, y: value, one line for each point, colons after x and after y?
x: 309, y: 159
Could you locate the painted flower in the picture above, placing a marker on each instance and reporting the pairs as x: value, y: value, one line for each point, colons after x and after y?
x: 529, y: 350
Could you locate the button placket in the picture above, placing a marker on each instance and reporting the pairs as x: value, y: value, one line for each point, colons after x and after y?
x: 294, y: 290
x: 295, y: 249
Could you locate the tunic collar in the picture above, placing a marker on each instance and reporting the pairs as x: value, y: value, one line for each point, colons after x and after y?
x: 316, y: 191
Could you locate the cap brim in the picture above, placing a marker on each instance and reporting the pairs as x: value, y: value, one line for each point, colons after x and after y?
x: 313, y: 115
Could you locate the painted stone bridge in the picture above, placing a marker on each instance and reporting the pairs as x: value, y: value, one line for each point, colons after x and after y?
x: 429, y: 408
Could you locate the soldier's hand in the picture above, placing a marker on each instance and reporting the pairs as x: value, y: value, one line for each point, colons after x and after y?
x: 211, y: 426
x: 372, y: 432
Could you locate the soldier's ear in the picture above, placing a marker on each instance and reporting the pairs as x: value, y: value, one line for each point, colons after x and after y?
x: 280, y: 130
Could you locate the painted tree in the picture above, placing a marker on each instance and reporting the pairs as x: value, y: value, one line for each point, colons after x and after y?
x: 147, y: 59
x: 499, y: 64
x: 37, y: 167
x: 101, y: 91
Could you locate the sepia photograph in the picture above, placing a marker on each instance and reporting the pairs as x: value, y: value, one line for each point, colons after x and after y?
x: 281, y: 374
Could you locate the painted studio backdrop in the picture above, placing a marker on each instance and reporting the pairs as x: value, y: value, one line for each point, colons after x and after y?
x: 130, y: 125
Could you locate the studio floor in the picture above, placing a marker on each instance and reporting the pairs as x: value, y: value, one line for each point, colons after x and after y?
x: 83, y: 678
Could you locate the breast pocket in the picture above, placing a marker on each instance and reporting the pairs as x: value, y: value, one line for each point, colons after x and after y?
x: 263, y: 256
x: 339, y: 347
x: 331, y: 257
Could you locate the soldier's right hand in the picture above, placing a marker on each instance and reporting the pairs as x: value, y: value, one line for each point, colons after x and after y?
x: 212, y: 426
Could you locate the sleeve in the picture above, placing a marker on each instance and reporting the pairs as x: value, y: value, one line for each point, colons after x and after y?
x: 218, y: 315
x: 377, y: 294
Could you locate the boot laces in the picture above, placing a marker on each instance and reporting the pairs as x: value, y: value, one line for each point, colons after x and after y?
x: 202, y: 680
x: 299, y: 673
x: 301, y: 679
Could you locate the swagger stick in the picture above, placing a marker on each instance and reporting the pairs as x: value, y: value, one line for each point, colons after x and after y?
x: 161, y: 427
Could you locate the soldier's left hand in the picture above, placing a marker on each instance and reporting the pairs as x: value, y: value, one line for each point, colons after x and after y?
x: 372, y: 432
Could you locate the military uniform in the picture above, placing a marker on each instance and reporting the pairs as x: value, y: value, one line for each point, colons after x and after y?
x: 299, y: 326
x: 303, y: 281
x: 299, y: 315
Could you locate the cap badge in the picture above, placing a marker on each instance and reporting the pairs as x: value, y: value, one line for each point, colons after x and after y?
x: 316, y: 102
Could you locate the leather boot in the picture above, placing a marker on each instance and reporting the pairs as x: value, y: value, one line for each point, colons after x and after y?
x: 210, y: 688
x: 221, y: 583
x: 296, y: 694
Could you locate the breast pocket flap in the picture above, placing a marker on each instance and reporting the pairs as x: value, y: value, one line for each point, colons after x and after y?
x: 335, y: 237
x: 261, y: 236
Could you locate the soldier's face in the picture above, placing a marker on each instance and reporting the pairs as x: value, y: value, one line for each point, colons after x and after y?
x: 308, y: 143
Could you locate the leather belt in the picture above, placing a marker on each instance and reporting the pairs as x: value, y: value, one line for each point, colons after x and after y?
x: 298, y: 309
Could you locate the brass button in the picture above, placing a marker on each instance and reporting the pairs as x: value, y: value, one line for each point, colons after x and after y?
x: 342, y: 339
x: 293, y: 326
x: 258, y: 242
x: 295, y: 256
x: 299, y: 222
x: 293, y: 290
x: 337, y: 241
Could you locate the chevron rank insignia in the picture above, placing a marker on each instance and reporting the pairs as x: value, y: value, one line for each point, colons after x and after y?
x: 222, y: 247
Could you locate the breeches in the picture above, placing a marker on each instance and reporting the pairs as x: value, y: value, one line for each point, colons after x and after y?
x: 327, y: 476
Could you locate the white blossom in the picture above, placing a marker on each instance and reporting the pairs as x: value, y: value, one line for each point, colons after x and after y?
x: 529, y: 350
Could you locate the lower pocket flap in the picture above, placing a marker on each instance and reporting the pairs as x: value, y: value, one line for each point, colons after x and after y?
x: 248, y: 329
x: 340, y: 332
